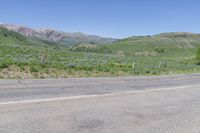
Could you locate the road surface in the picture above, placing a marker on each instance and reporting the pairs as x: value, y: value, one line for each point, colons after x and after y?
x: 156, y: 104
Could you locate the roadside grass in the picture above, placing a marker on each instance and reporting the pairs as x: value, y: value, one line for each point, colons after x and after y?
x: 65, y: 63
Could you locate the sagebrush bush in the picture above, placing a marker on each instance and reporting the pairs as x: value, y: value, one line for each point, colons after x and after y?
x: 159, y: 50
x: 198, y: 56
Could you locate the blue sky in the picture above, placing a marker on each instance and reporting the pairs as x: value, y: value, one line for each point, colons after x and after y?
x: 109, y: 18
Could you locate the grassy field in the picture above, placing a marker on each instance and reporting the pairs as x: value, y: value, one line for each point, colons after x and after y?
x: 22, y: 57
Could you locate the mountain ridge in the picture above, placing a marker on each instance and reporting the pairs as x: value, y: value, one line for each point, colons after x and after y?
x: 62, y: 37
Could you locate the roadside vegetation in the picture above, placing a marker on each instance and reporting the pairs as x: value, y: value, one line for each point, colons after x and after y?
x: 21, y: 57
x: 198, y: 56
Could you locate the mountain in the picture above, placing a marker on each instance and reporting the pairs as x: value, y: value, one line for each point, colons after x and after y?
x: 168, y: 42
x: 176, y: 39
x: 21, y: 29
x: 58, y: 36
x: 15, y: 39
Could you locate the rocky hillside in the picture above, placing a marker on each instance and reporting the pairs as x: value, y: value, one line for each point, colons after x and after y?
x: 58, y: 36
x: 11, y: 38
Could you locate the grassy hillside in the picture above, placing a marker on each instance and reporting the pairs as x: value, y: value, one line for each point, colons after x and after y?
x: 168, y: 43
x: 22, y: 57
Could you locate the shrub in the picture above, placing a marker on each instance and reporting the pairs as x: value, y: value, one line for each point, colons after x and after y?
x: 5, y: 63
x: 105, y: 50
x: 198, y: 56
x: 34, y: 69
x: 159, y: 50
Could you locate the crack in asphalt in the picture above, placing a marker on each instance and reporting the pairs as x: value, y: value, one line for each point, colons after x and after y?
x: 24, y: 84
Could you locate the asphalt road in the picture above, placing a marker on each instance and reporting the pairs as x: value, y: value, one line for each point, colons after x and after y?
x: 158, y: 104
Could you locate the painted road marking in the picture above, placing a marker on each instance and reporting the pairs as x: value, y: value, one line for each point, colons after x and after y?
x: 94, y: 96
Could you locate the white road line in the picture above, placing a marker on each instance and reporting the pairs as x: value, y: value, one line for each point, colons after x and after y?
x: 93, y: 96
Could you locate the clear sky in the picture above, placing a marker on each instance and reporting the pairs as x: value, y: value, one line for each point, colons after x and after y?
x: 109, y: 18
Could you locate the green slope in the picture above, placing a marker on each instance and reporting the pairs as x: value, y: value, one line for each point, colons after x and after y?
x: 171, y: 43
x: 22, y: 57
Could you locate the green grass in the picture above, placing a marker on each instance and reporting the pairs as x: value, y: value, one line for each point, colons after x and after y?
x: 21, y: 57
